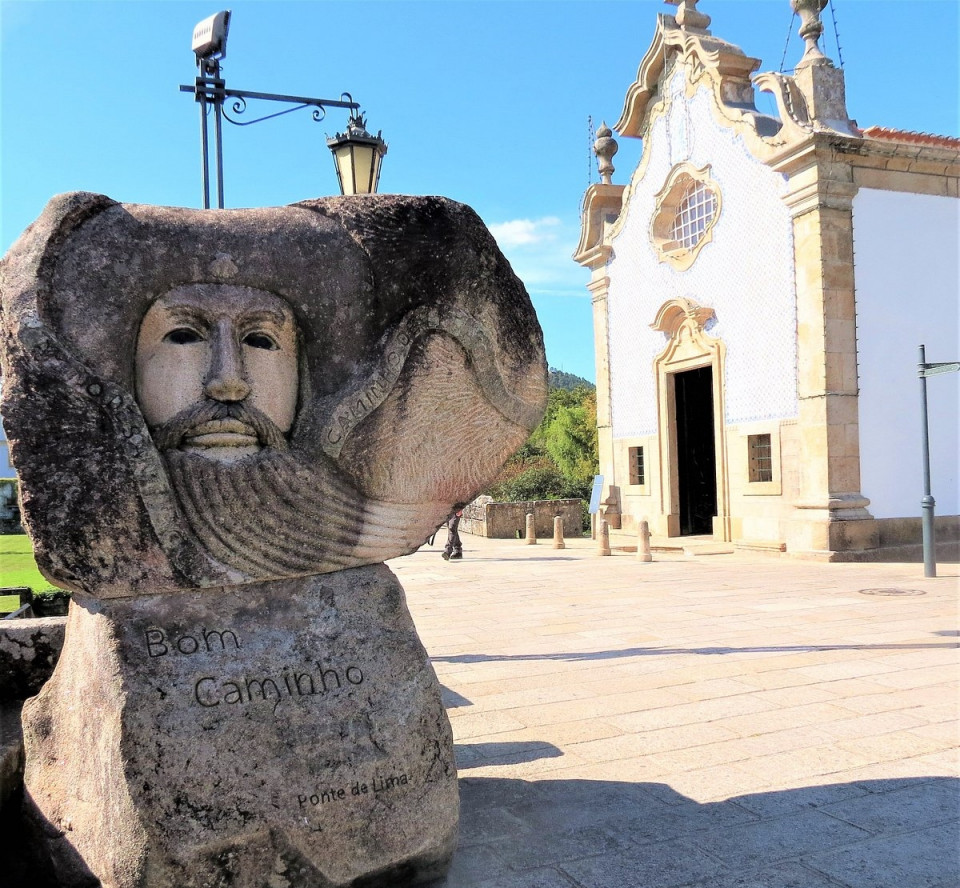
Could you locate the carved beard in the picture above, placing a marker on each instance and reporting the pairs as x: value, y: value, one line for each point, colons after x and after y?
x: 282, y: 513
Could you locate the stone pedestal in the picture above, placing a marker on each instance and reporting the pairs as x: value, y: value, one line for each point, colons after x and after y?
x: 284, y: 734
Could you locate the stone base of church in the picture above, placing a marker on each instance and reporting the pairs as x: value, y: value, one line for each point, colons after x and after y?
x: 283, y: 733
x: 838, y: 534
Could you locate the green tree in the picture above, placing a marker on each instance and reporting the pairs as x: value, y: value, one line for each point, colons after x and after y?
x: 559, y: 459
x: 570, y: 437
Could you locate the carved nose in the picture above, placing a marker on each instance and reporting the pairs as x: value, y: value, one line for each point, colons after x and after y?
x: 226, y: 380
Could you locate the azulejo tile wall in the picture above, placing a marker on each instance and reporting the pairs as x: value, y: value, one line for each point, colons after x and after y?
x: 746, y: 273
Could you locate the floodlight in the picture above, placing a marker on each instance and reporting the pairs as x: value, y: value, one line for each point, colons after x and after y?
x: 210, y: 36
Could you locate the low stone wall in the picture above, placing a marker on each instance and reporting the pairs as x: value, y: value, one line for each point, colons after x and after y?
x: 908, y: 531
x: 486, y: 518
x: 29, y: 649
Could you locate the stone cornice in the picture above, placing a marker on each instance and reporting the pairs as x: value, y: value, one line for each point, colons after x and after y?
x: 817, y: 178
x: 598, y: 287
x: 911, y: 154
x: 601, y: 204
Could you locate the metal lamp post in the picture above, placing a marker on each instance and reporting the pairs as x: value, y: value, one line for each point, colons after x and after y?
x: 927, y: 504
x: 357, y: 154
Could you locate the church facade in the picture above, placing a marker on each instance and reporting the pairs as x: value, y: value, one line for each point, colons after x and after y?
x: 760, y: 289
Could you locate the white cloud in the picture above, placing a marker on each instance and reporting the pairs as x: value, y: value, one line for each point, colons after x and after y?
x: 540, y: 251
x: 525, y: 232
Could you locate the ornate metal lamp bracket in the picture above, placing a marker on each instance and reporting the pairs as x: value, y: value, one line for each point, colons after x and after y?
x: 210, y: 91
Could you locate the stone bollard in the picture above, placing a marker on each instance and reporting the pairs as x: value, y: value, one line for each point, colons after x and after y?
x: 603, y: 538
x: 558, y: 542
x: 643, y: 542
x: 531, y: 530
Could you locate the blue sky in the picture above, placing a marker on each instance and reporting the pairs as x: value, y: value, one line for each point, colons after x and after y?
x: 484, y: 102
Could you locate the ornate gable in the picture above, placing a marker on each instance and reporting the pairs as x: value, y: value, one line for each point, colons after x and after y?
x: 675, y: 38
x: 811, y: 106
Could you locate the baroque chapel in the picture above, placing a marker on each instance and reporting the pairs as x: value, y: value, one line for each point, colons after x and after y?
x: 760, y: 288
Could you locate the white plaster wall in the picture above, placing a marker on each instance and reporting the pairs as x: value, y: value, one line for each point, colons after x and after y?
x: 745, y: 274
x: 908, y: 288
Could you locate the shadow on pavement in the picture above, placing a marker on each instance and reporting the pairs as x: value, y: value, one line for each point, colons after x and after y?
x: 453, y: 700
x: 575, y: 656
x: 604, y: 834
x: 487, y: 558
x: 475, y: 755
x: 898, y: 833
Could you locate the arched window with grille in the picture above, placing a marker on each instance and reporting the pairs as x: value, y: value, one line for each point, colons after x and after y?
x: 687, y: 209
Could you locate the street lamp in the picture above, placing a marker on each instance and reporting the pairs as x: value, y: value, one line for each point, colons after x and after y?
x: 357, y: 156
x: 928, y: 503
x: 356, y: 153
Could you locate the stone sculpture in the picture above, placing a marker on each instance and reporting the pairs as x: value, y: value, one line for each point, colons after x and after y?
x: 224, y: 422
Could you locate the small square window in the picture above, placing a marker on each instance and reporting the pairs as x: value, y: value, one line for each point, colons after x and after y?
x: 761, y: 458
x: 637, y: 470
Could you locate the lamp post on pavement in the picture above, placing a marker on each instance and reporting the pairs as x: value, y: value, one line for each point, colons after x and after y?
x: 927, y: 504
x: 357, y: 154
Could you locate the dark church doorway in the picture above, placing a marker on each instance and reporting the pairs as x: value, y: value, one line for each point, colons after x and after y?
x: 696, y: 451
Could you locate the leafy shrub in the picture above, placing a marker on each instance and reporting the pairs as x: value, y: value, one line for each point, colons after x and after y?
x: 559, y: 460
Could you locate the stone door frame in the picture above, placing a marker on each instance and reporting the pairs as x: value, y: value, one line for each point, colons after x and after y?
x: 688, y: 348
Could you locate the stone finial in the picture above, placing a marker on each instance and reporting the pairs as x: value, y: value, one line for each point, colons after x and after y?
x: 820, y: 83
x: 605, y: 147
x: 688, y: 17
x: 810, y: 30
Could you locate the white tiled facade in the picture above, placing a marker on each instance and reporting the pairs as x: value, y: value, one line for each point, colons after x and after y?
x: 745, y: 274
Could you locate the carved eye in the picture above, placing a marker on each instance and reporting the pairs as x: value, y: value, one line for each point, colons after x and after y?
x: 183, y: 336
x: 260, y: 340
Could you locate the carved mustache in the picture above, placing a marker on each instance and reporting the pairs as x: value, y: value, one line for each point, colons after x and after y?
x: 190, y: 422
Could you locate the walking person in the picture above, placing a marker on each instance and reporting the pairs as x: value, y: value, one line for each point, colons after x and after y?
x: 454, y: 548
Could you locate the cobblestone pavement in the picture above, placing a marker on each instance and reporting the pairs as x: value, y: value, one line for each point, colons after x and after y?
x: 711, y: 721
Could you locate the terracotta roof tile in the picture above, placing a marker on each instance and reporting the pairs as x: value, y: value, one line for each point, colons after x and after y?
x: 894, y: 135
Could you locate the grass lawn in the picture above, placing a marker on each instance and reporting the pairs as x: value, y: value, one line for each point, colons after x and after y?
x: 17, y: 567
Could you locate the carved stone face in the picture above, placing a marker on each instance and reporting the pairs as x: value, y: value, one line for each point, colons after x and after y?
x: 217, y: 370
x: 256, y: 394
